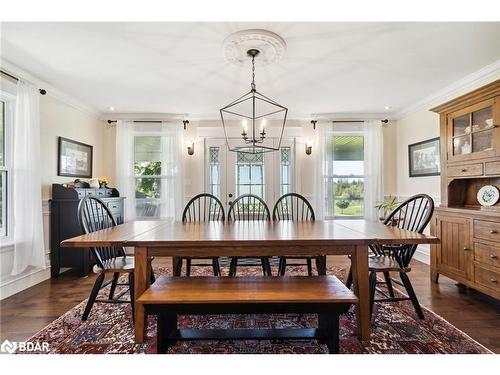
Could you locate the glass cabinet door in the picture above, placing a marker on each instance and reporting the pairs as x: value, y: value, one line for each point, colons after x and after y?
x: 472, y: 131
x: 482, y: 129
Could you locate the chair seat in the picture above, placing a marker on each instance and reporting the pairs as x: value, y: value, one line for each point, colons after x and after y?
x: 385, y: 263
x: 121, y: 264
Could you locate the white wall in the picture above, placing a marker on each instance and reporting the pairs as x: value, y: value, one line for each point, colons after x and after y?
x: 57, y: 119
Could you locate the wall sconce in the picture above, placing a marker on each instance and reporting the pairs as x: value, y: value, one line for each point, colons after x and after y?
x: 309, y: 148
x: 185, y: 123
x: 190, y: 147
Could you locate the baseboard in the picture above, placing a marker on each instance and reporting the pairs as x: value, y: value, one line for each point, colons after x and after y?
x: 422, y: 254
x: 16, y: 284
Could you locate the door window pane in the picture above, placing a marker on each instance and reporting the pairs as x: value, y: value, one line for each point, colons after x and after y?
x: 285, y: 170
x: 250, y: 174
x: 214, y: 163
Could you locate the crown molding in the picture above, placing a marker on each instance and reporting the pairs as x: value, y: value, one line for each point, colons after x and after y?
x: 468, y: 83
x: 51, y: 90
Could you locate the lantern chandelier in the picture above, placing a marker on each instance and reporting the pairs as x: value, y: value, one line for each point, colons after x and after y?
x: 250, y: 114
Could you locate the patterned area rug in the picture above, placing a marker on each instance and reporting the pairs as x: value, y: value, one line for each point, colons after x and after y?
x: 396, y: 329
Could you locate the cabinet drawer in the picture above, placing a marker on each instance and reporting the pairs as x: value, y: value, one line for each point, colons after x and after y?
x: 487, y: 254
x: 492, y: 168
x: 81, y: 193
x: 101, y: 193
x: 465, y: 170
x: 487, y: 230
x: 115, y: 206
x: 486, y: 277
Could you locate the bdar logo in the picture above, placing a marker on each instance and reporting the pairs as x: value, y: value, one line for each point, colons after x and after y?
x: 8, y: 347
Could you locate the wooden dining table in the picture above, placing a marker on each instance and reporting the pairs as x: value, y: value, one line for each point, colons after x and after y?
x: 252, y: 239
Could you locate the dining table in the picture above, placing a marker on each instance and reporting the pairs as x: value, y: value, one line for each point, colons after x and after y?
x: 167, y: 238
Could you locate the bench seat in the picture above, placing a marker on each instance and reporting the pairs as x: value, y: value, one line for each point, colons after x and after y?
x: 169, y: 297
x: 247, y: 289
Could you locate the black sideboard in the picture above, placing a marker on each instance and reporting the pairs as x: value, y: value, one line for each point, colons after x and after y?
x: 64, y: 224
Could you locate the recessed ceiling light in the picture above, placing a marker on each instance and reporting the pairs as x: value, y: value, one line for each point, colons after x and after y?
x: 111, y: 108
x: 387, y: 107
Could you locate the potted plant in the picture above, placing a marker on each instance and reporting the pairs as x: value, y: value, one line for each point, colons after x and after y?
x: 387, y: 206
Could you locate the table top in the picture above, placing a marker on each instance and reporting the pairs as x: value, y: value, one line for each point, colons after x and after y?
x: 249, y: 233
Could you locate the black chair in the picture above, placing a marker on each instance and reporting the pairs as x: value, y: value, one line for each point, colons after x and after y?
x: 94, y: 215
x: 413, y: 214
x: 295, y: 207
x: 249, y: 207
x: 203, y: 207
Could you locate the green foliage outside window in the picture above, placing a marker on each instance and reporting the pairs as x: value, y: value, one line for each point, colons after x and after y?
x: 147, y: 186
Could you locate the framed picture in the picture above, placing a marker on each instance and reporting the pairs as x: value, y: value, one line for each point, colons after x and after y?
x: 424, y: 158
x: 74, y: 159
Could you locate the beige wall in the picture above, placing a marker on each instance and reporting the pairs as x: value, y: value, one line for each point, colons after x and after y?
x: 414, y: 128
x: 60, y: 119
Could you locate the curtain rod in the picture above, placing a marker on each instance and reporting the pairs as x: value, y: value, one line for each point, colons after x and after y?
x: 385, y: 121
x: 42, y: 91
x: 138, y: 121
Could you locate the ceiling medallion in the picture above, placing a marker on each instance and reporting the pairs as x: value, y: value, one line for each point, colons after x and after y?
x: 270, y: 45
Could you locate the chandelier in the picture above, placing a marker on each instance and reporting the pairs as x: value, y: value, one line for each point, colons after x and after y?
x: 250, y: 114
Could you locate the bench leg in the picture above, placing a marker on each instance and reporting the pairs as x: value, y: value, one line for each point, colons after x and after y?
x: 165, y: 325
x: 329, y: 329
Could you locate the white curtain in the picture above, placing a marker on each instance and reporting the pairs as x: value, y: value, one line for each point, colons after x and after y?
x: 172, y: 188
x: 27, y: 197
x: 374, y: 192
x: 322, y: 161
x: 125, y: 181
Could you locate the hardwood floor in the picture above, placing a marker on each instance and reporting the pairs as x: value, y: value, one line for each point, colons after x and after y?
x: 25, y: 313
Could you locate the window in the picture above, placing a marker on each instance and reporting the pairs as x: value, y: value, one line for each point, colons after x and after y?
x: 285, y: 170
x: 153, y: 173
x: 3, y: 172
x: 214, y: 166
x: 250, y: 174
x: 344, y: 181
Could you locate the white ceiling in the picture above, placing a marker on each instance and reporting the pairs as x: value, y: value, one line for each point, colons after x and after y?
x: 179, y: 67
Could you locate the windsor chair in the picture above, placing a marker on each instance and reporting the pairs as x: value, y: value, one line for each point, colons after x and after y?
x: 249, y: 207
x: 94, y: 215
x: 201, y: 208
x: 413, y: 214
x: 295, y: 207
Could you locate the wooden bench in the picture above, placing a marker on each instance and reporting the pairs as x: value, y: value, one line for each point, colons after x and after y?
x: 169, y: 297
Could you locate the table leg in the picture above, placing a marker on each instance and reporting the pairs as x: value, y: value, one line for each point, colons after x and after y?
x: 142, y: 281
x: 360, y: 275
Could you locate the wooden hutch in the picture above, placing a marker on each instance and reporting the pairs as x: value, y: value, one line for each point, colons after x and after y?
x: 469, y: 251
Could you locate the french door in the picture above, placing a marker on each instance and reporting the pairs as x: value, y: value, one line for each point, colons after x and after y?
x: 231, y: 174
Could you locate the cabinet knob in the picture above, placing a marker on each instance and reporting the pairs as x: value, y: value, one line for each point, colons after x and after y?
x: 493, y: 256
x: 493, y: 280
x: 493, y: 231
x: 466, y: 248
x: 464, y: 169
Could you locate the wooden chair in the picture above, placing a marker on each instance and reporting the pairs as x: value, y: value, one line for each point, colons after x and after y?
x: 295, y: 207
x: 413, y: 214
x: 249, y: 207
x: 203, y: 207
x: 94, y: 215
